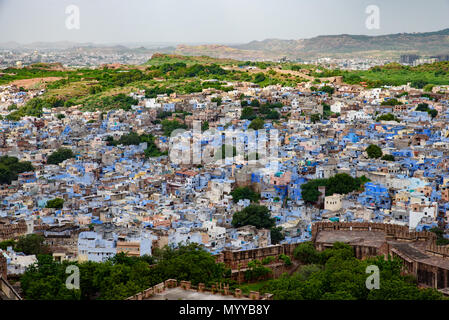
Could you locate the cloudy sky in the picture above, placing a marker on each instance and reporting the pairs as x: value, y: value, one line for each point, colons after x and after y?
x: 211, y: 21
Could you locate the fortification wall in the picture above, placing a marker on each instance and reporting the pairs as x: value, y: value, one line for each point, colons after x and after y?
x: 392, y: 231
x: 218, y: 288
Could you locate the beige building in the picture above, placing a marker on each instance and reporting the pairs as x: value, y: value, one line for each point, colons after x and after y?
x: 333, y: 202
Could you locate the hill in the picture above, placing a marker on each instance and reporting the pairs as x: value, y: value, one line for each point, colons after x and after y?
x: 392, y: 45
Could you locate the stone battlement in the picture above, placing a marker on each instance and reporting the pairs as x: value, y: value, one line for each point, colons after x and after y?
x: 392, y: 231
x: 440, y: 251
x: 215, y: 289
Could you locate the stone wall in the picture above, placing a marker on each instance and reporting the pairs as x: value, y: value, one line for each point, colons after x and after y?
x: 3, y: 267
x: 392, y: 231
x: 234, y: 259
x: 222, y: 289
x: 12, y: 231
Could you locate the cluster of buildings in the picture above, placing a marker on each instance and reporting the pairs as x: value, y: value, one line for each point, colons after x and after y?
x: 117, y: 200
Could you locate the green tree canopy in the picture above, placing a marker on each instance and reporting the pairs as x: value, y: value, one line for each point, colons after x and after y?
x: 254, y: 215
x: 240, y: 193
x: 256, y: 124
x: 60, y: 155
x: 373, y: 151
x: 56, y: 203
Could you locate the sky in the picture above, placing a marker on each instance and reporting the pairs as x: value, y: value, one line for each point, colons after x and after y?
x: 211, y: 21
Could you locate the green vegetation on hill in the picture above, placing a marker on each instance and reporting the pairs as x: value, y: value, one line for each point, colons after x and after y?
x: 395, y: 74
x: 120, y: 101
x: 159, y: 59
x: 10, y: 167
x: 34, y: 108
x: 104, y: 88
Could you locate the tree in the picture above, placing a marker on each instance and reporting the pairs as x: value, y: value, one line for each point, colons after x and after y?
x: 10, y: 167
x: 286, y: 259
x: 441, y: 240
x: 273, y: 115
x: 259, y: 77
x: 244, y: 193
x: 387, y: 117
x: 388, y: 157
x: 374, y: 152
x: 328, y: 89
x: 56, y: 203
x: 433, y: 113
x: 391, y: 102
x: 60, y: 155
x: 169, y: 126
x: 341, y: 183
x: 337, y: 274
x: 255, y: 103
x: 205, y: 126
x: 423, y: 107
x: 218, y: 100
x: 254, y: 215
x: 256, y: 124
x: 276, y: 235
x: 316, y: 117
x: 428, y: 87
x: 306, y: 253
x: 32, y: 244
x: 256, y: 271
x: 248, y: 114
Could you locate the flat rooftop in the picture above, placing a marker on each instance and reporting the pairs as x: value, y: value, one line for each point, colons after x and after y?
x: 181, y: 294
x: 364, y: 238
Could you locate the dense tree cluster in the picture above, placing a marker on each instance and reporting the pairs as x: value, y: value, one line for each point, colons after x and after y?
x: 259, y: 217
x: 374, y: 152
x: 119, y: 101
x: 254, y: 215
x: 60, y: 155
x: 31, y: 244
x: 388, y: 157
x: 257, y: 124
x: 34, y: 108
x: 244, y: 193
x: 121, y: 276
x: 341, y: 183
x: 168, y: 126
x: 388, y: 117
x: 391, y: 102
x: 335, y: 274
x: 424, y: 107
x: 56, y: 203
x: 10, y: 167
